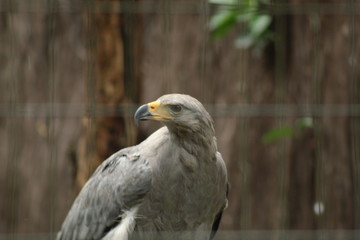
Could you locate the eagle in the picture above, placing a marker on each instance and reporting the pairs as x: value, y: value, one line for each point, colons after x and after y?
x: 173, y: 185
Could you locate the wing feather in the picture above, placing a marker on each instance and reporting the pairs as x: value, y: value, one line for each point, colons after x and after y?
x: 222, y: 172
x: 118, y: 184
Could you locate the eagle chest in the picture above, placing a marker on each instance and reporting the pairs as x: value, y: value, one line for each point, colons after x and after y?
x: 181, y: 197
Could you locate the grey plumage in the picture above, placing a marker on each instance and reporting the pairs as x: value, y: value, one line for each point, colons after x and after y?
x: 173, y: 183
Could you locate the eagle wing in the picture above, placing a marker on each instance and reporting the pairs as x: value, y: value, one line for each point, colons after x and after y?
x: 222, y: 172
x: 118, y: 185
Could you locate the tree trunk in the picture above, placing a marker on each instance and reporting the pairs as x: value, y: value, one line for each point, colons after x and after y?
x: 105, y: 88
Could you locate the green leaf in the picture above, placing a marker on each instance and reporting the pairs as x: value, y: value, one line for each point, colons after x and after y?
x: 220, y: 2
x: 277, y: 134
x: 231, y: 12
x: 306, y: 122
x: 221, y: 23
x: 255, y: 33
x: 260, y: 24
x: 245, y: 40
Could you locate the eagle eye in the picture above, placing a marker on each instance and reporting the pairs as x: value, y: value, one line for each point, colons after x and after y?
x: 175, y: 108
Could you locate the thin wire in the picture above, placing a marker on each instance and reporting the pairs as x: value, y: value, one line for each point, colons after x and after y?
x: 179, y: 7
x: 243, y: 133
x: 280, y: 85
x: 89, y: 119
x: 13, y: 128
x: 245, y: 170
x: 216, y: 110
x: 167, y: 78
x: 51, y: 120
x: 318, y: 132
x: 235, y: 235
x: 130, y: 49
x: 205, y: 84
x: 354, y: 122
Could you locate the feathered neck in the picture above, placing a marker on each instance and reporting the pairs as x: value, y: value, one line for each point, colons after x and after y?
x: 200, y: 143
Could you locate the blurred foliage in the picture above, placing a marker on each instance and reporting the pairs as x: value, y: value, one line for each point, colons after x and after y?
x: 230, y: 13
x: 284, y: 132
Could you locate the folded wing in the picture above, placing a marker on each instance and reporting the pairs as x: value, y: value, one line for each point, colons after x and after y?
x: 117, y: 186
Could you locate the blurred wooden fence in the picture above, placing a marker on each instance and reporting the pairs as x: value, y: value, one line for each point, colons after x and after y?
x: 287, y: 116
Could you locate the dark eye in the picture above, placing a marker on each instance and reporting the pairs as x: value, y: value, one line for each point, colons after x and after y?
x: 176, y: 108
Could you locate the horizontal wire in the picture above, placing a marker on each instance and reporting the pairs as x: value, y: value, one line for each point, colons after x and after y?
x: 178, y: 7
x: 217, y: 110
x: 236, y: 235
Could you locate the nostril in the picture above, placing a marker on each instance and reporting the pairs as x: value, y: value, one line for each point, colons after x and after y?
x: 153, y: 106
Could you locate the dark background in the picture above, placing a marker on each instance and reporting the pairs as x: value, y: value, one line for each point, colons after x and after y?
x: 73, y: 72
